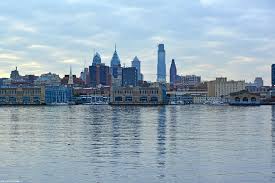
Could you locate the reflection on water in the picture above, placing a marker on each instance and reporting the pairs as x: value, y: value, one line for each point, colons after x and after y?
x: 137, y: 144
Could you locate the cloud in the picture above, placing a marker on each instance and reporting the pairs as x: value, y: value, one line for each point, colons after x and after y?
x: 242, y: 60
x: 8, y: 56
x: 222, y: 32
x: 23, y: 27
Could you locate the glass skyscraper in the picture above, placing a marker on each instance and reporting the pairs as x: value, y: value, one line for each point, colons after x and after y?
x: 136, y: 64
x: 161, y: 70
x: 173, y: 72
x: 273, y: 74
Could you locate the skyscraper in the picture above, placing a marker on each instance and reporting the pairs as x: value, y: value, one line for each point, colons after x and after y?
x: 129, y: 76
x: 161, y: 70
x: 99, y: 75
x: 96, y: 59
x: 259, y: 82
x: 173, y: 73
x: 116, y: 70
x: 273, y: 74
x: 136, y: 64
x: 71, y: 79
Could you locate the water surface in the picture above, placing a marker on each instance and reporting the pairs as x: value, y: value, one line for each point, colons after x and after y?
x: 137, y: 144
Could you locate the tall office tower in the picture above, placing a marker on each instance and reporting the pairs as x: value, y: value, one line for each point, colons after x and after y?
x: 116, y: 70
x: 99, y: 75
x: 136, y: 64
x: 161, y: 70
x: 96, y: 59
x: 273, y: 74
x: 71, y: 79
x: 259, y: 82
x: 173, y: 73
x: 129, y: 76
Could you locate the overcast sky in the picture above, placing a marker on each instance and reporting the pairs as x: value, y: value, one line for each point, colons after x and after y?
x: 210, y: 38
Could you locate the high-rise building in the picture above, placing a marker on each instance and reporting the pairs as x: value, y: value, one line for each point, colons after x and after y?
x: 84, y: 75
x: 99, y: 75
x: 115, y: 64
x: 259, y: 82
x: 71, y: 79
x: 173, y: 73
x: 116, y: 70
x: 161, y: 67
x: 222, y: 87
x: 96, y: 59
x: 273, y: 74
x: 136, y: 64
x: 129, y: 76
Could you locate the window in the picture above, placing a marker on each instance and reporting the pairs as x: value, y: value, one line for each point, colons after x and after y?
x: 245, y: 99
x: 128, y: 99
x: 143, y: 99
x: 154, y: 99
x: 118, y: 99
x: 237, y: 99
x: 253, y: 100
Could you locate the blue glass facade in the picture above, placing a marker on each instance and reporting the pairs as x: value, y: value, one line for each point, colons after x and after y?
x: 273, y: 74
x: 161, y: 67
x: 129, y: 76
x: 58, y: 94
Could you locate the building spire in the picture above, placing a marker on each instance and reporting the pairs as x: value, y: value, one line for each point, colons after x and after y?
x: 71, y: 79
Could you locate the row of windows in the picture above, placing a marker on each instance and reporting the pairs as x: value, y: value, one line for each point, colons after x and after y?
x: 14, y: 92
x: 13, y: 100
x: 140, y: 92
x: 141, y: 99
x: 245, y: 99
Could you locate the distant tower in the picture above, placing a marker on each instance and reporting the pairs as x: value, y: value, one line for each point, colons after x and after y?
x: 115, y: 62
x: 15, y: 74
x: 173, y: 73
x: 116, y: 70
x: 96, y: 59
x: 136, y: 64
x: 273, y: 74
x: 161, y: 70
x: 71, y: 79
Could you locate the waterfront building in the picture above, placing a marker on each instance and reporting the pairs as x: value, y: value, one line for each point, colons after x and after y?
x: 273, y: 74
x: 173, y: 73
x: 93, y: 91
x: 48, y: 79
x: 244, y: 98
x: 188, y: 81
x: 222, y: 87
x: 92, y: 95
x: 30, y: 79
x: 208, y: 100
x: 22, y: 95
x: 177, y: 98
x: 129, y: 76
x: 58, y: 95
x: 139, y: 95
x: 2, y: 81
x: 161, y: 66
x: 99, y: 75
x: 136, y: 64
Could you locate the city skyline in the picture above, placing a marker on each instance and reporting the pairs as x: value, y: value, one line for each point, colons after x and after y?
x: 212, y: 39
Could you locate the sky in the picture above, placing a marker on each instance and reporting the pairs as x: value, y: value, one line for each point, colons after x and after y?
x: 211, y: 38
